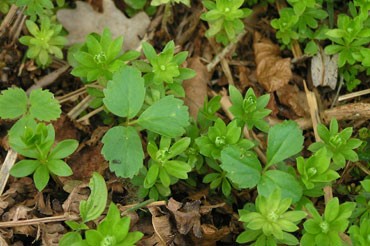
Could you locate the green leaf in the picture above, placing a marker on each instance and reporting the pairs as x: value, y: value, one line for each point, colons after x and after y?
x: 63, y: 149
x: 124, y: 95
x: 13, y: 103
x: 178, y: 169
x: 151, y: 176
x: 24, y: 168
x: 59, y: 167
x: 284, y: 141
x: 44, y: 106
x: 245, y: 171
x: 272, y: 179
x: 70, y: 238
x: 41, y: 177
x: 167, y: 117
x: 94, y: 206
x: 123, y: 149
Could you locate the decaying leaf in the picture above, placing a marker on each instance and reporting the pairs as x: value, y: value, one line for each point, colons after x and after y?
x: 196, y: 88
x: 51, y: 233
x: 324, y: 70
x: 211, y: 235
x: 187, y: 216
x: 163, y: 234
x: 273, y: 72
x: 291, y: 96
x: 84, y: 20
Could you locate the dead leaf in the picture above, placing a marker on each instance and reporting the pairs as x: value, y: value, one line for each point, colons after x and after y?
x: 291, y: 96
x: 51, y: 233
x: 196, y: 88
x: 273, y: 72
x: 162, y: 227
x: 211, y: 235
x: 90, y: 21
x: 324, y: 70
x: 187, y: 216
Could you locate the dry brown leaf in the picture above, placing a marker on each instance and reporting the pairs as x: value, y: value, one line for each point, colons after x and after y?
x: 187, y: 216
x: 273, y: 72
x: 295, y: 99
x: 51, y: 233
x: 211, y: 235
x: 196, y: 88
x: 91, y: 21
x: 162, y: 228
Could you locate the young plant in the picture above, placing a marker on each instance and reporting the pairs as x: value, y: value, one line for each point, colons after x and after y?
x: 4, y: 6
x: 45, y: 42
x: 339, y: 145
x: 164, y: 165
x: 324, y: 230
x: 316, y: 169
x: 103, y: 234
x: 36, y: 142
x: 100, y: 57
x: 165, y: 68
x: 217, y: 179
x: 360, y: 234
x: 35, y: 8
x: 272, y: 223
x: 349, y: 39
x: 224, y: 19
x: 250, y: 110
x: 124, y: 97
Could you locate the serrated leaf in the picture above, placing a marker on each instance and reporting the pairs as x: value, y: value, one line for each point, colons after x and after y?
x: 123, y: 149
x: 284, y: 141
x: 124, y: 95
x: 245, y: 171
x: 272, y: 179
x: 44, y: 106
x: 13, y: 103
x: 94, y: 206
x: 167, y: 117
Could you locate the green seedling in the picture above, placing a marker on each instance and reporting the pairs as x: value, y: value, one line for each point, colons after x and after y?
x: 124, y: 97
x: 35, y: 8
x: 218, y: 137
x: 90, y: 210
x: 5, y: 6
x: 316, y: 169
x: 360, y: 234
x: 36, y: 142
x: 100, y: 57
x: 324, y: 230
x: 250, y: 110
x: 165, y: 67
x: 339, y: 145
x: 272, y: 223
x: 224, y: 19
x: 46, y: 41
x: 349, y: 39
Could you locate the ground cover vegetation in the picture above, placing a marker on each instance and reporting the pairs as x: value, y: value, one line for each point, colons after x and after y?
x: 212, y: 130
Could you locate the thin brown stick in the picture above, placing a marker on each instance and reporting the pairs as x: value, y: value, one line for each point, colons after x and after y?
x: 37, y: 221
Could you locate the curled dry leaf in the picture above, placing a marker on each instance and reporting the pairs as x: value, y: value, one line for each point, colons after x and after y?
x: 196, y: 88
x: 90, y: 21
x: 273, y: 72
x: 162, y: 228
x: 51, y: 233
x: 295, y: 99
x: 187, y: 216
x: 211, y: 235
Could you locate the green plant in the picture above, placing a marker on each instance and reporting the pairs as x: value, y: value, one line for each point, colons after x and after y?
x: 165, y: 68
x: 35, y: 140
x: 164, y: 166
x: 35, y: 8
x: 4, y: 6
x: 224, y: 19
x: 301, y: 22
x: 271, y: 223
x: 100, y: 57
x: 103, y: 234
x: 250, y: 110
x: 360, y: 234
x: 324, y: 230
x: 218, y: 178
x: 316, y: 169
x: 339, y: 145
x: 45, y: 41
x: 349, y: 39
